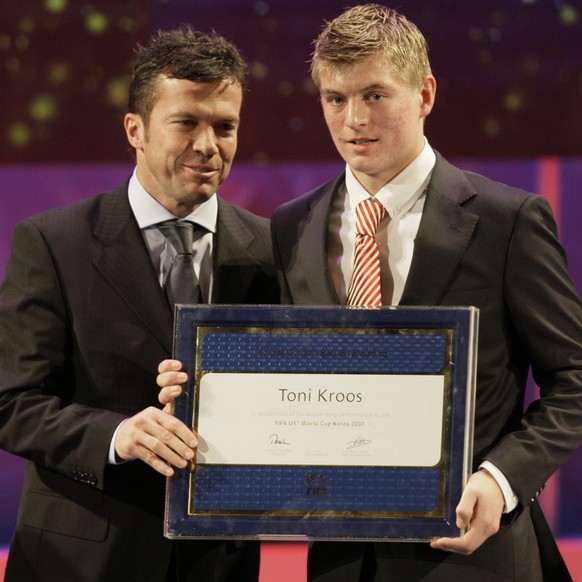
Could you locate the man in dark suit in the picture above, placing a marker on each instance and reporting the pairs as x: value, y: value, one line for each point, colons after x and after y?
x: 447, y: 237
x: 84, y: 321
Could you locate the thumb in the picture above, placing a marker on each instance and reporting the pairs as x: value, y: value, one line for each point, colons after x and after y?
x: 466, y: 508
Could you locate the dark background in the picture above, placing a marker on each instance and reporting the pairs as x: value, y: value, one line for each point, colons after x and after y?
x: 509, y: 74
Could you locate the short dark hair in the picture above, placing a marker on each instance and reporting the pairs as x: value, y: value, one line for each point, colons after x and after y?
x: 182, y: 53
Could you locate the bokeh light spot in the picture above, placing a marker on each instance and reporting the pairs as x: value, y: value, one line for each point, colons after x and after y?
x: 127, y: 24
x: 491, y: 127
x: 55, y: 5
x: 58, y: 73
x: 260, y: 158
x: 499, y: 18
x: 117, y: 91
x: 43, y: 108
x: 19, y: 134
x: 26, y: 26
x: 259, y: 70
x: 22, y: 42
x: 475, y: 34
x: 569, y: 14
x: 262, y: 8
x: 494, y: 34
x: 296, y: 124
x: 513, y: 101
x: 96, y: 22
x: 309, y: 86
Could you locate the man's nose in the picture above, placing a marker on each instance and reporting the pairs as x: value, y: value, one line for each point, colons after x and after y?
x: 205, y: 142
x: 357, y: 113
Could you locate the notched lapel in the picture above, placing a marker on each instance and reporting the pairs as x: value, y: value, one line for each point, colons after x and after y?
x: 443, y: 235
x: 312, y: 248
x: 126, y: 266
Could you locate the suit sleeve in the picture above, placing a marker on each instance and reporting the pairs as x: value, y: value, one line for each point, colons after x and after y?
x: 39, y: 417
x: 546, y: 317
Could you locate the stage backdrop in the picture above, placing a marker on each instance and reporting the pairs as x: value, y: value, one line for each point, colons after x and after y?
x: 25, y: 190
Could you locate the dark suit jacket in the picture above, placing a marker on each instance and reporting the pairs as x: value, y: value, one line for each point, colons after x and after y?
x: 83, y: 326
x: 485, y: 244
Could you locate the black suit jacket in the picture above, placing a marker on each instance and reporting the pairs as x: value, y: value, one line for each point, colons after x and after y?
x: 484, y: 244
x: 83, y: 326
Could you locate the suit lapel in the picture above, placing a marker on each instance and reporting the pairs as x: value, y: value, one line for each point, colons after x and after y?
x: 443, y: 235
x: 125, y: 264
x: 312, y: 246
x: 233, y: 256
x: 233, y: 237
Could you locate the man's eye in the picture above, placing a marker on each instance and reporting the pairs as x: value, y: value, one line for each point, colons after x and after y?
x: 375, y: 97
x: 225, y: 129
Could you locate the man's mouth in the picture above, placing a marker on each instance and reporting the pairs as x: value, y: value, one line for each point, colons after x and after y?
x: 203, y: 169
x: 362, y: 141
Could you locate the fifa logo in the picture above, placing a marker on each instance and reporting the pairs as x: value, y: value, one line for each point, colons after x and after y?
x: 316, y: 485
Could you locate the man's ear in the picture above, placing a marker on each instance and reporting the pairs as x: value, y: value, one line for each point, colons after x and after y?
x: 134, y: 129
x: 427, y: 95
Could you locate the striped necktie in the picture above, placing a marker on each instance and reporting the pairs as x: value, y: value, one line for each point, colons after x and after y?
x: 365, y: 287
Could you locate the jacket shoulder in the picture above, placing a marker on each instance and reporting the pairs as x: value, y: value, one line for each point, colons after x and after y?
x: 252, y: 220
x: 293, y: 211
x: 78, y: 212
x: 473, y: 190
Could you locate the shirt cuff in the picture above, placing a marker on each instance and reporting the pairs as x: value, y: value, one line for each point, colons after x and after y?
x: 112, y: 458
x: 511, y: 500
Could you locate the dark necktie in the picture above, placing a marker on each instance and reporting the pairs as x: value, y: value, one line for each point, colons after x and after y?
x: 181, y: 283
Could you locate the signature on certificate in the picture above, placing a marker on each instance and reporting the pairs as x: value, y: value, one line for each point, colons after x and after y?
x: 359, y: 442
x: 277, y: 440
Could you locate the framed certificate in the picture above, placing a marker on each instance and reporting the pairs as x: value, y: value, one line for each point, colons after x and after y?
x: 324, y: 423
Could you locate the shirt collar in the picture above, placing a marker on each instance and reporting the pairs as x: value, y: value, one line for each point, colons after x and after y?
x: 149, y: 212
x: 400, y: 194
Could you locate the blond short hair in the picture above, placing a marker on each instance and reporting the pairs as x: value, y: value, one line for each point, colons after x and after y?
x: 372, y: 30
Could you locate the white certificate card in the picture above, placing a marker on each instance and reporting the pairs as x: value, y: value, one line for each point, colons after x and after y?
x: 320, y: 419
